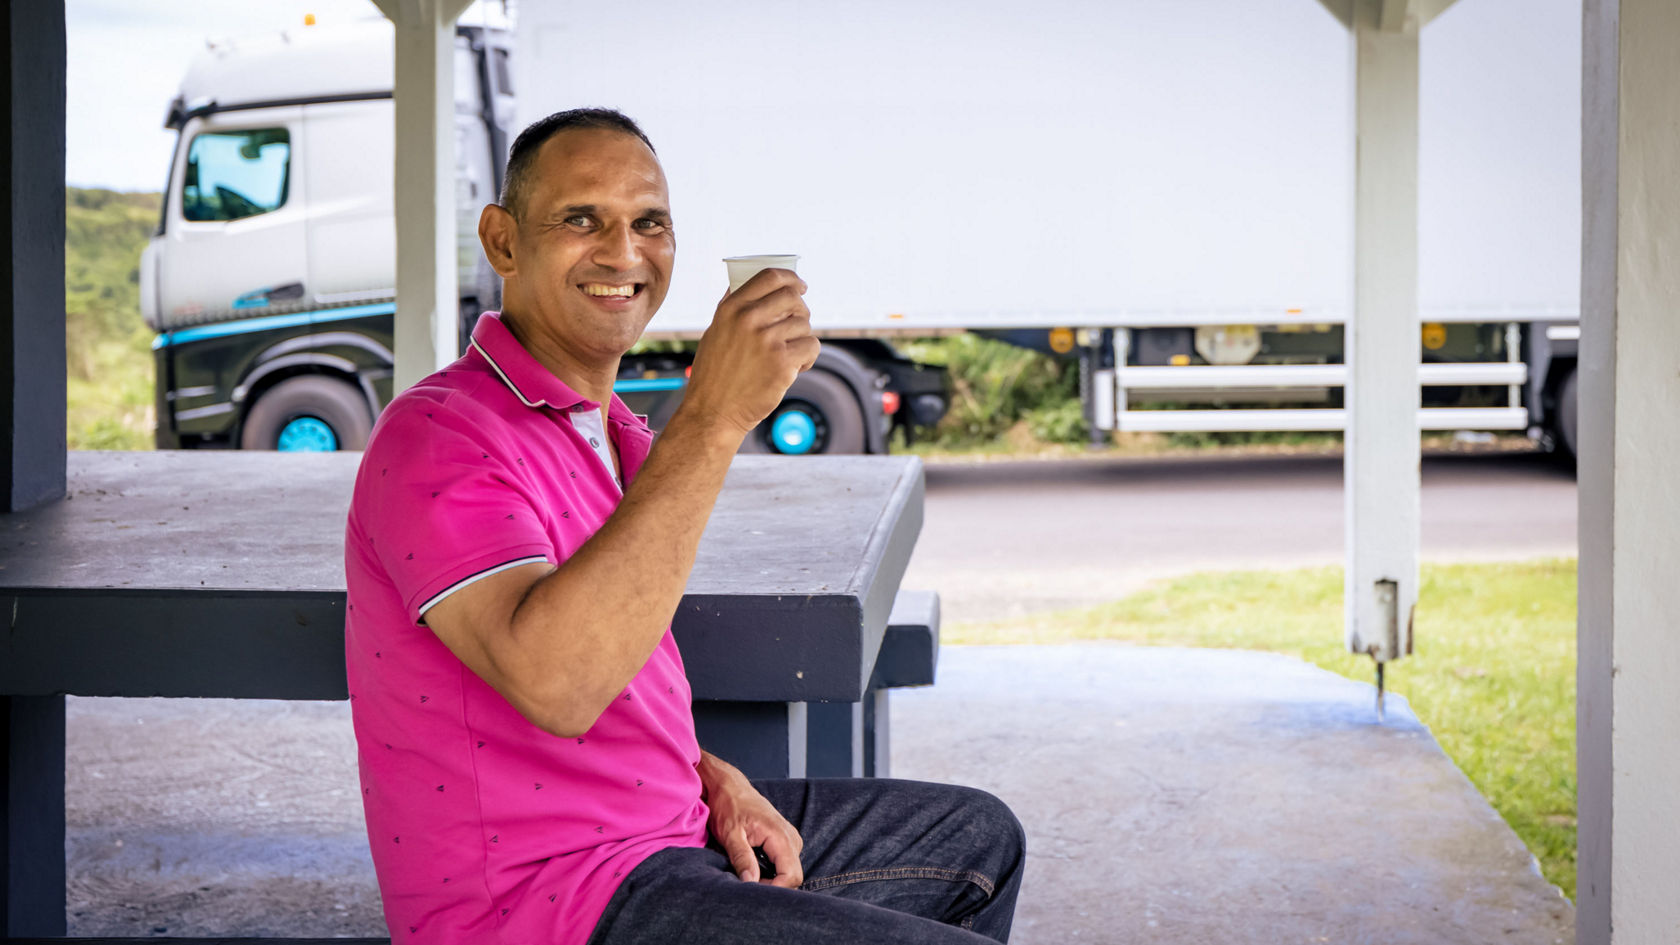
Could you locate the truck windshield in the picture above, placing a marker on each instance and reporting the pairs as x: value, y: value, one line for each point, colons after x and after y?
x: 236, y: 174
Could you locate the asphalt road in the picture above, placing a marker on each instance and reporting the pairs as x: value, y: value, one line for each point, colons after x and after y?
x: 1003, y: 539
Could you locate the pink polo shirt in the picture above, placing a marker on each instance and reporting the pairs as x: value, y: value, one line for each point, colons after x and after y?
x: 484, y: 827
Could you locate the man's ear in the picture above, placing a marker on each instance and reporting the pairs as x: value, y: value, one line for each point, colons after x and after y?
x: 496, y: 229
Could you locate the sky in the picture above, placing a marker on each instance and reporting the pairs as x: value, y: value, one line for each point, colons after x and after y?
x: 125, y: 62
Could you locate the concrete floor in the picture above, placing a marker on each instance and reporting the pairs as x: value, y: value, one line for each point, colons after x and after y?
x: 1169, y: 795
x: 1221, y: 796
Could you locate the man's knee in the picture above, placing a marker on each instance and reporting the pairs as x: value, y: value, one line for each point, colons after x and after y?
x: 990, y: 818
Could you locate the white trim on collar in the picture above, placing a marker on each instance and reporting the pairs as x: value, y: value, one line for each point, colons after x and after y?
x: 508, y: 380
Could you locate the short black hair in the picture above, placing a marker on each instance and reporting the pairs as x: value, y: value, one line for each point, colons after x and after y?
x: 523, y: 154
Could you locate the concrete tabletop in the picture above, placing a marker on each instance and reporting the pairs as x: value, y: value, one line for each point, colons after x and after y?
x: 221, y: 574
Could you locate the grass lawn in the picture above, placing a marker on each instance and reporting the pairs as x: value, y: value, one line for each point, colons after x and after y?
x: 109, y: 401
x: 1492, y: 675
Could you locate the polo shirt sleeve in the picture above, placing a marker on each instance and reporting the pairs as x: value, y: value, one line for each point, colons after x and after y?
x: 441, y: 508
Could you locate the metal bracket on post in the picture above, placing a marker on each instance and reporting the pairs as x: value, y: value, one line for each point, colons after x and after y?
x: 1388, y: 605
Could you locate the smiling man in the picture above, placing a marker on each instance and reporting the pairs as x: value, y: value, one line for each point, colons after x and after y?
x: 517, y: 545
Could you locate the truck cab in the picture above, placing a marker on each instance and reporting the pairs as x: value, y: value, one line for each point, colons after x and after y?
x: 270, y: 278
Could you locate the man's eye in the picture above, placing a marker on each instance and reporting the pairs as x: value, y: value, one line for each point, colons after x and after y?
x: 579, y: 220
x: 649, y: 224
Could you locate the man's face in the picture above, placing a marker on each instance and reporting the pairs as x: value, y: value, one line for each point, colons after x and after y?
x: 594, y: 247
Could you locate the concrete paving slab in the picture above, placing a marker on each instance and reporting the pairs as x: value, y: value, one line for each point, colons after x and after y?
x: 1221, y: 796
x: 1169, y: 795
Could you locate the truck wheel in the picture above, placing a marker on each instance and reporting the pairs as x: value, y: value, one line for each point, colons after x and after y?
x: 1568, y: 410
x: 308, y: 413
x: 817, y: 415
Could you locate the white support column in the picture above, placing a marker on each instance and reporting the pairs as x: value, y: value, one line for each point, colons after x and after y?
x: 1628, y: 680
x: 1382, y: 442
x: 428, y: 298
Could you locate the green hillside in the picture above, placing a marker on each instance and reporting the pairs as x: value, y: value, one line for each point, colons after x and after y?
x: 109, y: 361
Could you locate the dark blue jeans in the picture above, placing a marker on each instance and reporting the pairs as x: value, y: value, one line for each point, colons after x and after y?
x: 885, y: 861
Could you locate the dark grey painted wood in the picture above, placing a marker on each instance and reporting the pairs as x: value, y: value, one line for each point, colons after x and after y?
x: 225, y: 561
x: 32, y: 894
x: 763, y: 739
x: 215, y: 644
x: 834, y: 739
x: 877, y: 727
x: 32, y: 381
x: 877, y: 745
x: 849, y: 739
x: 796, y: 576
x: 910, y: 651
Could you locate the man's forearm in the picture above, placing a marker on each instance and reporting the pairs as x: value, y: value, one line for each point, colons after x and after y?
x: 589, y: 626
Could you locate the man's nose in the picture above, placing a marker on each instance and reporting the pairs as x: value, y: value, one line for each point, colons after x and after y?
x: 617, y: 248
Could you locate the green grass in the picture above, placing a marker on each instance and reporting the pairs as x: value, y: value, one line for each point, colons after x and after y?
x: 107, y: 346
x: 110, y: 406
x: 1492, y: 675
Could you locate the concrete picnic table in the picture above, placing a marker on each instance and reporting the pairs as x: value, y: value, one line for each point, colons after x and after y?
x: 220, y: 574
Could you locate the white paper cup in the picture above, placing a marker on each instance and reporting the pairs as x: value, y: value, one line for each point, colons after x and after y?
x: 742, y: 268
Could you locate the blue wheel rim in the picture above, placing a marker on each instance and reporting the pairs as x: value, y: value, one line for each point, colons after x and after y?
x: 794, y: 433
x: 307, y: 435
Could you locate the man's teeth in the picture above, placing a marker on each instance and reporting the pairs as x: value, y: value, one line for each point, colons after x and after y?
x: 623, y: 290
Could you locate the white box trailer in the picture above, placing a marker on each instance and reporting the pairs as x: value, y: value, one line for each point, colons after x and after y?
x: 1161, y: 189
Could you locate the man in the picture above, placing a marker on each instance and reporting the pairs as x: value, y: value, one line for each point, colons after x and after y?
x: 517, y: 544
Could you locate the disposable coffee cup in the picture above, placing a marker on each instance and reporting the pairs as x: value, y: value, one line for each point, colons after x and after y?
x: 742, y: 268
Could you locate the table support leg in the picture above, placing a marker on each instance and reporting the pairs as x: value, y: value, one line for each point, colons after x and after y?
x: 875, y: 726
x: 763, y: 739
x: 32, y: 894
x: 835, y: 744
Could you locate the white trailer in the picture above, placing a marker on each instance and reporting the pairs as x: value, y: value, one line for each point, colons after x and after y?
x: 1161, y: 189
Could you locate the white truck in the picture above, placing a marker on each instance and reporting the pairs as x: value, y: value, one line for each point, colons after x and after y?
x: 1162, y: 191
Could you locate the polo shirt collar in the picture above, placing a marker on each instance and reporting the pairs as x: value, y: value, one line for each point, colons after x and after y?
x: 533, y: 384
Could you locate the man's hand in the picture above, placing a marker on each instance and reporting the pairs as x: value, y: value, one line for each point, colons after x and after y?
x: 742, y: 819
x: 758, y: 342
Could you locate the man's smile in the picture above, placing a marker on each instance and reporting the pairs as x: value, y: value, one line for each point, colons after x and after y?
x: 603, y: 290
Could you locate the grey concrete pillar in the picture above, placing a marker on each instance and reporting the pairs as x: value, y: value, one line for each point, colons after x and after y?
x: 1628, y: 707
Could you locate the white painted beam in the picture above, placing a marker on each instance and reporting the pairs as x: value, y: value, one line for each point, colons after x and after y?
x: 1382, y: 480
x: 428, y: 298
x: 1628, y: 705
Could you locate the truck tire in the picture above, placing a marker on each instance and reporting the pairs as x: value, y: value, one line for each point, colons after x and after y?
x: 308, y: 413
x: 817, y: 415
x: 1568, y: 411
